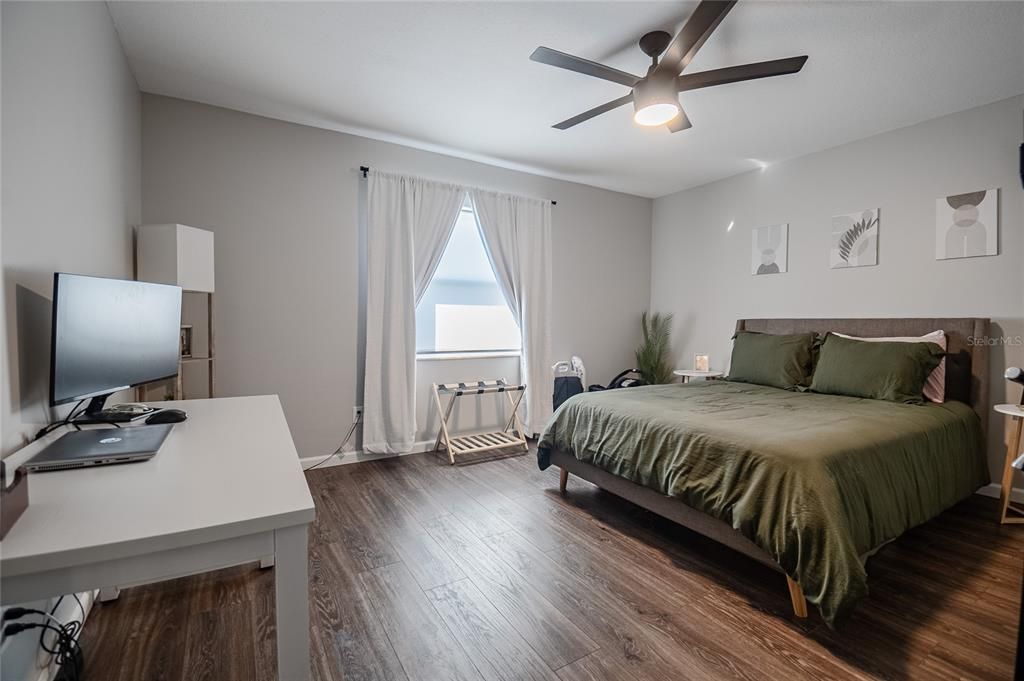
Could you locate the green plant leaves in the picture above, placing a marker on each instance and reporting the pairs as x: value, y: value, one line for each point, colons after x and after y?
x: 652, y: 357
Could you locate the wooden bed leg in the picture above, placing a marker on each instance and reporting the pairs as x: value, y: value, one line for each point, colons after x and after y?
x: 563, y: 480
x: 796, y: 594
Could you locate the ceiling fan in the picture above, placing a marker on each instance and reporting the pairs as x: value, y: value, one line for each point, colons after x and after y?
x: 655, y: 96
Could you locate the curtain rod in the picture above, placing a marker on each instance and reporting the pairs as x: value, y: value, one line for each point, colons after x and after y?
x: 365, y: 169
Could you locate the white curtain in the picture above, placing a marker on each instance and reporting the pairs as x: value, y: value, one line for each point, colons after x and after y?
x: 517, y: 233
x: 408, y: 223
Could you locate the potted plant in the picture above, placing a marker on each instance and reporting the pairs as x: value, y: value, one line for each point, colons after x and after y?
x: 652, y: 357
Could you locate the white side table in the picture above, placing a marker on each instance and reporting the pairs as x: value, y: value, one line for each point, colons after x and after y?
x: 1012, y: 452
x: 687, y: 374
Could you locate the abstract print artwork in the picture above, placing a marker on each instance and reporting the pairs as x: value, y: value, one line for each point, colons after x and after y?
x: 768, y: 254
x: 854, y: 239
x: 967, y: 225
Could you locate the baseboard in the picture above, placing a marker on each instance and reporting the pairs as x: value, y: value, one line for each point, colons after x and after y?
x: 359, y: 456
x: 994, y: 490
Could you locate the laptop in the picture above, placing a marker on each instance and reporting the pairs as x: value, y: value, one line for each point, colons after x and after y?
x: 100, y: 447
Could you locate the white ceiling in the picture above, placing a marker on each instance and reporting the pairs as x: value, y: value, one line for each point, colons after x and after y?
x: 456, y: 76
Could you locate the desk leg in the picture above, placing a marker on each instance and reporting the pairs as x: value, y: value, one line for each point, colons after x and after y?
x: 291, y: 594
x: 109, y: 593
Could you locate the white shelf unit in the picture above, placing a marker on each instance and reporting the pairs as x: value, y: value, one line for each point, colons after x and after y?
x: 176, y: 254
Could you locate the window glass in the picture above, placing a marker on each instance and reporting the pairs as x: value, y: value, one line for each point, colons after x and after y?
x: 463, y: 309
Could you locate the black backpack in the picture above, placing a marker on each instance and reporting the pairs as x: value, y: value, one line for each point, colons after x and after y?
x: 623, y: 380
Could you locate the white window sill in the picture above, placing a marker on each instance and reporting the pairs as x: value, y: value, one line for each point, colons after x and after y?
x: 443, y: 356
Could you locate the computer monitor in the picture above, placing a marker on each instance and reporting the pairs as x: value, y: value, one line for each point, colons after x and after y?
x: 110, y: 335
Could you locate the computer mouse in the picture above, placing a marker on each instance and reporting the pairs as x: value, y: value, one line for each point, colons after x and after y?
x: 167, y: 416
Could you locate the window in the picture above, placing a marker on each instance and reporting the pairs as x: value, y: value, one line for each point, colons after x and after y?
x: 463, y: 310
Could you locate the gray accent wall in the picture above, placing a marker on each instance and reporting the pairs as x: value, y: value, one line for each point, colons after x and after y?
x: 72, y: 160
x: 701, y: 271
x: 72, y: 163
x: 283, y: 201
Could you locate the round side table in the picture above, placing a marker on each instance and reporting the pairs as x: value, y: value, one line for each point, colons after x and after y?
x: 687, y: 374
x: 1008, y: 512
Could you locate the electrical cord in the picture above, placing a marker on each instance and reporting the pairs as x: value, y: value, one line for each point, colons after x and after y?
x: 53, y: 610
x: 336, y: 451
x: 66, y: 652
x: 69, y: 419
x: 65, y: 649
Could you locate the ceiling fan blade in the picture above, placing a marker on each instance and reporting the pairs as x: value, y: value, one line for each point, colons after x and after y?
x: 680, y: 122
x: 596, y: 111
x: 692, y: 36
x: 545, y: 55
x: 733, y: 74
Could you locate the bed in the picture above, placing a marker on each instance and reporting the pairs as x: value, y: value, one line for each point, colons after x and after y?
x: 809, y: 484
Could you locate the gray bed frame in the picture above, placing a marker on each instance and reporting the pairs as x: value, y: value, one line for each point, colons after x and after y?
x: 967, y: 379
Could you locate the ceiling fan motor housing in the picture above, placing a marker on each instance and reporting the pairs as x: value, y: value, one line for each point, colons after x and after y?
x: 656, y: 88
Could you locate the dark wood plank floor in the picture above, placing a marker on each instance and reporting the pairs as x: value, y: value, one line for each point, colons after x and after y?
x: 422, y: 571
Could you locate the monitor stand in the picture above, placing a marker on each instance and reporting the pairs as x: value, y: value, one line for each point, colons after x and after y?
x: 95, y: 413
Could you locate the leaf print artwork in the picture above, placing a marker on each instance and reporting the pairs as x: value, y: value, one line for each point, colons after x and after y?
x: 855, y: 239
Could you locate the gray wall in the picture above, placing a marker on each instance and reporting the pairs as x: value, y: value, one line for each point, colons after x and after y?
x: 71, y: 192
x: 701, y: 272
x: 71, y: 180
x: 283, y: 201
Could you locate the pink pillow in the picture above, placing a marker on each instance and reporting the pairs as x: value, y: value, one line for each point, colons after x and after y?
x: 935, y: 386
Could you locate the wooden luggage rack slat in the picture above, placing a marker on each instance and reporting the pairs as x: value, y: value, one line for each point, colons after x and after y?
x: 479, y: 442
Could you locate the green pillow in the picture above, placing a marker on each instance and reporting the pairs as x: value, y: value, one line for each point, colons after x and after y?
x: 882, y: 370
x: 781, y: 361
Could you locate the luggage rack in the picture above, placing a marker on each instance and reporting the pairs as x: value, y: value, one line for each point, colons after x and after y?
x: 479, y: 442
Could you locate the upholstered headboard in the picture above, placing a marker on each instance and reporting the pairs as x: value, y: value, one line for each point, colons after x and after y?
x: 967, y: 370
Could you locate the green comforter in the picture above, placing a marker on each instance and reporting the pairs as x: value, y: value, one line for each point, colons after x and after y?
x: 814, y: 480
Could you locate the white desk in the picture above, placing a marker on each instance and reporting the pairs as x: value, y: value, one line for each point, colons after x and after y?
x: 226, y: 488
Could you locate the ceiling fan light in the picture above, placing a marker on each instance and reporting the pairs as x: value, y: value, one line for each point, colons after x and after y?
x: 656, y: 114
x: 655, y: 101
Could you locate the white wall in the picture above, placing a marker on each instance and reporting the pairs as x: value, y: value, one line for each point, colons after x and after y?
x: 71, y: 166
x: 701, y: 272
x: 283, y: 202
x: 71, y: 171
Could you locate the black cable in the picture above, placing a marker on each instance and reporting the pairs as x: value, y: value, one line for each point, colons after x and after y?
x: 336, y: 451
x: 52, y: 613
x: 47, y: 429
x: 69, y: 420
x: 67, y: 652
x: 72, y: 414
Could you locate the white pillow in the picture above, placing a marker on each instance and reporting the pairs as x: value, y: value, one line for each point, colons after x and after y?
x: 935, y: 386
